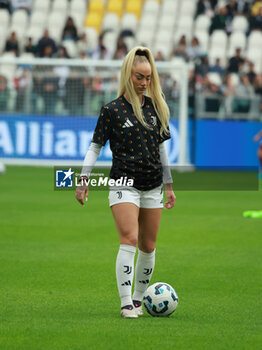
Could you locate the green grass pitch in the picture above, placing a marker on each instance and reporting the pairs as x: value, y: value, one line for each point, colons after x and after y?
x: 57, y: 270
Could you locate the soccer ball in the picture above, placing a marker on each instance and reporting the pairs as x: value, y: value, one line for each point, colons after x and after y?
x: 160, y: 299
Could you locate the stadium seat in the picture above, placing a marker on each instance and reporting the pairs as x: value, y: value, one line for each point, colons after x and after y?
x: 35, y: 32
x: 217, y: 52
x: 170, y: 7
x: 215, y: 78
x: 4, y: 18
x: 134, y: 6
x: 148, y: 22
x: 20, y: 18
x: 187, y: 8
x: 96, y: 6
x: 203, y: 39
x: 254, y: 39
x: 185, y: 22
x: 115, y: 6
x: 129, y: 22
x: 27, y: 56
x: 234, y: 79
x: 8, y: 70
x: 239, y: 24
x: 254, y: 54
x: 202, y: 23
x: 71, y: 48
x: 60, y: 5
x: 38, y: 18
x: 77, y: 6
x: 55, y: 32
x: 218, y: 39
x: 110, y: 40
x: 130, y: 42
x: 2, y: 42
x: 40, y: 5
x: 92, y: 36
x: 144, y: 37
x: 166, y: 21
x: 93, y: 20
x: 151, y: 7
x: 237, y: 39
x: 164, y: 36
x: 56, y: 18
x: 110, y: 22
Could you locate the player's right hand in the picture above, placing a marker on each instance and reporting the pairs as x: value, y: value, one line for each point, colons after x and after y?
x: 82, y: 193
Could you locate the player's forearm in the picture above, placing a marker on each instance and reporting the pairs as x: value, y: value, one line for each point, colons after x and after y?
x: 90, y: 158
x: 167, y: 177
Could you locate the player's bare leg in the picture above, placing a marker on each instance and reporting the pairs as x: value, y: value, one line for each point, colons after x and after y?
x: 149, y: 221
x: 126, y: 220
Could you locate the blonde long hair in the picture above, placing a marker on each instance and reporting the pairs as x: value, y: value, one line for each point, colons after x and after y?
x: 154, y: 90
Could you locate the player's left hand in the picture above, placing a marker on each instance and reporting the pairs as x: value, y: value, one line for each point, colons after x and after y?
x: 170, y: 196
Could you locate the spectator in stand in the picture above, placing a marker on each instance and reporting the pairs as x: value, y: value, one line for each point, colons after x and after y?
x: 62, y: 52
x: 256, y: 5
x: 219, y: 21
x: 180, y: 48
x: 4, y: 93
x: 255, y: 22
x: 258, y: 88
x: 43, y: 43
x: 74, y: 94
x: 101, y: 52
x: 5, y: 4
x: 194, y: 50
x: 30, y: 47
x: 48, y: 52
x: 22, y: 4
x: 120, y: 53
x: 84, y: 46
x: 205, y: 7
x: 70, y: 30
x: 243, y: 7
x: 258, y: 138
x: 159, y: 56
x: 245, y: 91
x: 230, y: 92
x: 203, y: 67
x: 121, y: 49
x: 216, y: 68
x: 21, y: 82
x: 12, y: 44
x: 231, y: 9
x: 235, y: 62
x: 49, y: 87
x: 251, y: 74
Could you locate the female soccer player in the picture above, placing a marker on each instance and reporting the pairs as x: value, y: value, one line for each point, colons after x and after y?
x: 258, y: 137
x: 136, y: 124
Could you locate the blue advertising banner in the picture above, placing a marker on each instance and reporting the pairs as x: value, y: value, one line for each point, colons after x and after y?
x: 226, y: 143
x: 59, y: 138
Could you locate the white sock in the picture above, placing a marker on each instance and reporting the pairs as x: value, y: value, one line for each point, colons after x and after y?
x: 125, y: 273
x: 144, y: 269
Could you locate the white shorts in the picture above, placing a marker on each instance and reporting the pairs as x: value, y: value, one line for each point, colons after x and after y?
x: 151, y: 199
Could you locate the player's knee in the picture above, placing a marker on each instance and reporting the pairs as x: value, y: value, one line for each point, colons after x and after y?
x: 128, y: 238
x: 147, y: 247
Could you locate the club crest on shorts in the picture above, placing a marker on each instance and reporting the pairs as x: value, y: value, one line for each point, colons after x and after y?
x: 64, y: 178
